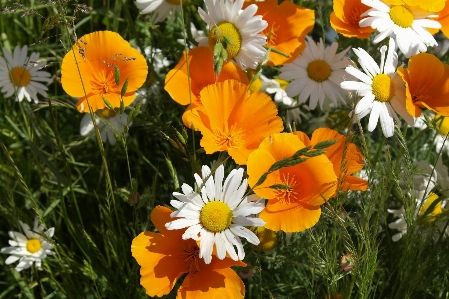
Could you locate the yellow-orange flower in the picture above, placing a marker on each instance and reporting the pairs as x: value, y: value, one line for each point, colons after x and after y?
x: 346, y: 17
x: 164, y: 257
x: 288, y: 24
x: 234, y: 120
x: 427, y: 84
x: 428, y: 5
x: 310, y: 183
x: 89, y: 70
x: 443, y: 18
x: 200, y: 66
x: 353, y: 158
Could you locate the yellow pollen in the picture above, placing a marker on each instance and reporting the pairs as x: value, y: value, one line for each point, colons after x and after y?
x: 106, y: 113
x: 291, y: 194
x: 229, y: 138
x: 20, y: 76
x: 383, y: 88
x: 176, y: 2
x: 216, y: 216
x: 436, y: 209
x: 33, y: 245
x: 319, y: 70
x: 226, y: 29
x: 401, y: 16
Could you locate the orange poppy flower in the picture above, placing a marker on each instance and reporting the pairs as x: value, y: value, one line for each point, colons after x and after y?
x: 234, y: 120
x: 288, y: 24
x: 429, y: 5
x: 201, y: 68
x: 310, y: 183
x: 427, y: 84
x: 353, y: 158
x: 89, y: 69
x: 443, y: 19
x: 164, y: 257
x: 346, y: 17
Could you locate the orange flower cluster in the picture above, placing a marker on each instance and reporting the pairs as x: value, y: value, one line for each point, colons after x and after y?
x: 296, y: 192
x: 97, y: 67
x: 164, y: 257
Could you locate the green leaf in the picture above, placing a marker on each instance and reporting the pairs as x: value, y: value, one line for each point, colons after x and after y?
x: 117, y: 75
x: 124, y: 88
x: 324, y: 144
x: 106, y: 102
x: 280, y: 187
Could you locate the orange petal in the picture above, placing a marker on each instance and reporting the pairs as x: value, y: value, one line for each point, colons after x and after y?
x: 289, y: 217
x: 259, y: 161
x: 160, y: 267
x: 217, y: 283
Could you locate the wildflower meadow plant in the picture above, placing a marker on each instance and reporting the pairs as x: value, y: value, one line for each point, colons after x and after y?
x: 223, y: 149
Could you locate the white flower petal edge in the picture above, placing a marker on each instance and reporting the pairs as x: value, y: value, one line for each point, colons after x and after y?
x: 189, y: 205
x: 115, y: 123
x: 385, y: 111
x: 159, y: 8
x: 31, y: 88
x: 19, y: 251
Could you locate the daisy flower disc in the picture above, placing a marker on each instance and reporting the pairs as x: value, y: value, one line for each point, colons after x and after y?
x: 218, y: 215
x: 22, y: 75
x: 159, y: 8
x: 316, y: 74
x: 404, y: 23
x: 242, y: 27
x: 30, y: 247
x: 382, y: 90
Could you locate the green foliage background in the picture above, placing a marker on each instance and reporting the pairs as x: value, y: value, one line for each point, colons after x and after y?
x: 47, y: 169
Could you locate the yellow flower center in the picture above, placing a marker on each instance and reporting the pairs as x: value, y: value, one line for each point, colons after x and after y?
x: 443, y: 123
x: 216, y: 216
x: 176, y: 2
x: 106, y: 113
x: 103, y: 81
x: 226, y: 29
x: 229, y: 138
x: 319, y: 70
x: 436, y: 209
x: 20, y: 76
x: 401, y: 16
x: 291, y: 190
x: 383, y: 88
x: 33, y: 245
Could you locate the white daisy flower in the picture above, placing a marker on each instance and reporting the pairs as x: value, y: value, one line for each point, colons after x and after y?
x: 317, y: 74
x: 218, y: 215
x: 108, y: 121
x: 382, y: 90
x: 28, y: 248
x: 21, y: 76
x: 160, y: 9
x: 226, y: 17
x: 405, y: 24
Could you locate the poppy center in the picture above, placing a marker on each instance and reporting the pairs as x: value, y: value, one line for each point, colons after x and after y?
x: 103, y: 82
x: 436, y: 208
x: 291, y: 189
x: 383, y: 88
x: 20, y: 76
x: 176, y: 2
x: 106, y: 113
x: 33, y: 245
x: 226, y: 29
x: 216, y: 216
x: 401, y: 16
x: 318, y: 70
x: 229, y: 138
